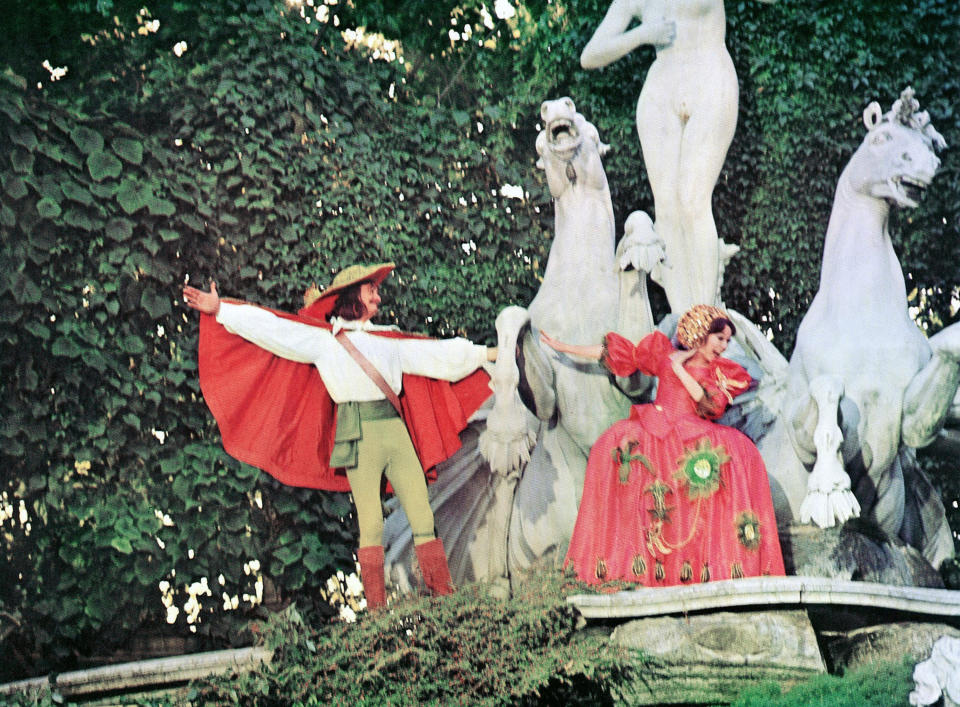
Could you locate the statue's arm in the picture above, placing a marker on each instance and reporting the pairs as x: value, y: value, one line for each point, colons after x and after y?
x: 612, y: 40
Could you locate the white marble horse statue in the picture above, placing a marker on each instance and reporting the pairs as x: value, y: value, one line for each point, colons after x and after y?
x: 865, y: 386
x: 509, y: 498
x: 586, y: 292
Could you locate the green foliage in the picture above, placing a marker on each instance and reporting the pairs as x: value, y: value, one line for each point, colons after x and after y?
x: 61, y: 31
x: 267, y: 172
x: 876, y: 685
x: 808, y: 116
x: 950, y: 570
x: 44, y: 699
x: 942, y: 469
x: 807, y: 70
x: 468, y: 648
x: 269, y: 156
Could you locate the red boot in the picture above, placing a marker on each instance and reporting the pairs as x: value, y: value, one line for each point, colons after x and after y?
x: 433, y: 565
x: 371, y: 574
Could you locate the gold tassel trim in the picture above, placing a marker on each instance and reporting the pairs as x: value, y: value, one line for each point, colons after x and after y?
x: 736, y: 571
x: 639, y: 567
x: 601, y: 569
x: 655, y: 542
x: 686, y: 572
x: 705, y: 573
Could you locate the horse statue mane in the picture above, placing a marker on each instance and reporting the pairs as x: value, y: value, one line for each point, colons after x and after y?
x: 865, y: 386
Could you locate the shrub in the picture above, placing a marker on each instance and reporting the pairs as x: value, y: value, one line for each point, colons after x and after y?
x: 271, y: 155
x: 874, y: 685
x: 468, y: 648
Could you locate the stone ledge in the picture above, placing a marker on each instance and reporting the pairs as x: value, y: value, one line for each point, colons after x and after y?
x: 143, y: 674
x: 769, y: 592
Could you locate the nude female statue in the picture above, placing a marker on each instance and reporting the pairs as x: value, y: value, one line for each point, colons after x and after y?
x: 686, y: 117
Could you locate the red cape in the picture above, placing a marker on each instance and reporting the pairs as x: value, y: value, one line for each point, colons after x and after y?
x: 276, y: 414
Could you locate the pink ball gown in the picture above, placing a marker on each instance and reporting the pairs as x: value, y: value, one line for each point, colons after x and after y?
x: 669, y: 496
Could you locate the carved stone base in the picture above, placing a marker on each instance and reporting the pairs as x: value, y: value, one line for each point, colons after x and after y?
x: 855, y: 551
x: 850, y: 650
x: 712, y: 658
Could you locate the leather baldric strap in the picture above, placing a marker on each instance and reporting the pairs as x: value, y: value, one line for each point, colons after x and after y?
x: 370, y: 370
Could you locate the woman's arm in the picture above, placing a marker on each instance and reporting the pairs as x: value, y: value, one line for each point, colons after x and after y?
x: 593, y: 352
x: 611, y: 40
x: 677, y: 360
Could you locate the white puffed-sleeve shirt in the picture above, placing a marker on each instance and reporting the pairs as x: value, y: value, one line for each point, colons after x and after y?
x: 445, y: 359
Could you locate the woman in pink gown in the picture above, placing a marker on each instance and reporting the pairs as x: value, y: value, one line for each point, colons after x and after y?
x: 669, y: 496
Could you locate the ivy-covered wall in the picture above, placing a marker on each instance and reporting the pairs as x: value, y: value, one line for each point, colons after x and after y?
x: 266, y: 170
x: 274, y: 152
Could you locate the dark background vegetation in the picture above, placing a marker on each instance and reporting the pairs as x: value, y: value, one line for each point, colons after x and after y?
x: 270, y: 155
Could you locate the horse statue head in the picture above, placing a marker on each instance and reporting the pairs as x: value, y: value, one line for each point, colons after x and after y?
x: 897, y: 160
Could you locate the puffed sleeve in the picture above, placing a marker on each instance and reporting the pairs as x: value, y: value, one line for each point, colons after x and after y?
x: 622, y: 358
x: 724, y: 381
x: 282, y: 337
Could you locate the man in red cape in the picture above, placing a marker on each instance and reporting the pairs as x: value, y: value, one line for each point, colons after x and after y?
x: 287, y: 395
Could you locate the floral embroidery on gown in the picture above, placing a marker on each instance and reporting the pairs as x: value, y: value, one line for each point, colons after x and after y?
x: 670, y: 497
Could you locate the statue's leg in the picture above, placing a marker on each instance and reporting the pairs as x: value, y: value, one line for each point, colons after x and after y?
x: 546, y: 501
x: 506, y: 441
x: 801, y: 421
x: 925, y: 524
x: 660, y: 134
x: 884, y: 496
x: 878, y: 427
x: 706, y: 139
x: 634, y: 318
x: 827, y: 436
x: 871, y: 444
x: 930, y: 395
x: 801, y: 417
x: 787, y: 476
x: 829, y: 498
x: 537, y: 385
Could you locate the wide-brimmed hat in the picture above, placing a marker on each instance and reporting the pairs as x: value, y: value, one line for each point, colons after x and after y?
x: 319, y: 303
x: 695, y: 323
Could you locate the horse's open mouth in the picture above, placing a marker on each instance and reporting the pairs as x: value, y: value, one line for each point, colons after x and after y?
x: 562, y: 133
x: 910, y: 188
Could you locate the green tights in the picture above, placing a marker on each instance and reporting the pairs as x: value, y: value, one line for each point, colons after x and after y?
x: 385, y: 448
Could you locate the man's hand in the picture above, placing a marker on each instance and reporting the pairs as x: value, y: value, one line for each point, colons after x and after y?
x: 206, y: 302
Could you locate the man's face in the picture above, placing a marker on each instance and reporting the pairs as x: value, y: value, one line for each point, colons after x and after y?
x: 370, y: 297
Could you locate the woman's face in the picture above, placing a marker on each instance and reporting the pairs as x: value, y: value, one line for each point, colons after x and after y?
x: 715, y: 344
x: 370, y: 297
